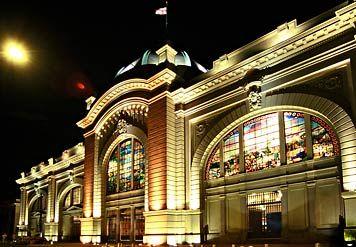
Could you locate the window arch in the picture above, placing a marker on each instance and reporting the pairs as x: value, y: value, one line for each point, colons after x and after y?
x: 261, y: 139
x: 73, y: 198
x: 126, y: 168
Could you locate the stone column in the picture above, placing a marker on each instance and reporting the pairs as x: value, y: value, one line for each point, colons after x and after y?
x: 51, y: 227
x: 91, y: 221
x: 22, y: 219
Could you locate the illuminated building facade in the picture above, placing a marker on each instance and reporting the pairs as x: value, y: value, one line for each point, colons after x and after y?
x: 261, y: 146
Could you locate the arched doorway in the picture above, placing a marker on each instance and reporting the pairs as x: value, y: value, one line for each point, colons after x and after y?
x: 71, y: 212
x: 37, y: 216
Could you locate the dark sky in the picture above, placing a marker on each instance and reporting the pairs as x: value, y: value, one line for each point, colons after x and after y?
x: 72, y: 41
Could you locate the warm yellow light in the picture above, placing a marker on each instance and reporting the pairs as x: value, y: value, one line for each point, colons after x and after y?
x: 15, y: 52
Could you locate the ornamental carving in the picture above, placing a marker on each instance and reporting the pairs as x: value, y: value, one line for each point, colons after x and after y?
x: 254, y: 95
x: 255, y: 100
x: 122, y: 126
x: 201, y: 128
x: 330, y: 83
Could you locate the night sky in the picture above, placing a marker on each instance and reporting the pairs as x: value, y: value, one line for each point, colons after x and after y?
x: 88, y: 42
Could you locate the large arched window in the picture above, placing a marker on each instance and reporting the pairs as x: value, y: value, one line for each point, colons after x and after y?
x: 260, y: 144
x: 126, y: 168
x: 261, y: 139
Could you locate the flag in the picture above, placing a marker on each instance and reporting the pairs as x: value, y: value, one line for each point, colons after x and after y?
x: 161, y: 11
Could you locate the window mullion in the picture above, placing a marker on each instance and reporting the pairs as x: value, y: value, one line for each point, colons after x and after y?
x: 222, y: 168
x: 241, y: 149
x: 132, y: 163
x: 308, y: 134
x: 282, y: 139
x: 118, y: 169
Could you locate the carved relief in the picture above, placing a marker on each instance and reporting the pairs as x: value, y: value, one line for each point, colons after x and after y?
x: 200, y: 128
x: 255, y: 100
x: 330, y: 83
x: 254, y: 95
x: 122, y: 126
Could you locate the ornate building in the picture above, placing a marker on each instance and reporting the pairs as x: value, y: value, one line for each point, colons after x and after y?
x: 263, y: 145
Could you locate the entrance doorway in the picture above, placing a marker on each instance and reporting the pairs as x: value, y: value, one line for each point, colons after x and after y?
x: 264, y: 214
x: 126, y: 226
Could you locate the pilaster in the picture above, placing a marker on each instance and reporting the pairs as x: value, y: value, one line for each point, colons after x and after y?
x: 91, y: 223
x: 51, y: 227
x: 350, y: 215
x: 22, y: 220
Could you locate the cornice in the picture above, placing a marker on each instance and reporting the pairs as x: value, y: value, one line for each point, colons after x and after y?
x: 45, y: 170
x: 166, y: 76
x: 344, y: 19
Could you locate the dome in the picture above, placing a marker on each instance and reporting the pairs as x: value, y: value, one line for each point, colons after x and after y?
x: 166, y: 54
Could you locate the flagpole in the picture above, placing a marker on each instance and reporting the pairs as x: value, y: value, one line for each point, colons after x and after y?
x: 167, y: 16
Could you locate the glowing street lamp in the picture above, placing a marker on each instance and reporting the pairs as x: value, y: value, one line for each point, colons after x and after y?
x: 14, y: 52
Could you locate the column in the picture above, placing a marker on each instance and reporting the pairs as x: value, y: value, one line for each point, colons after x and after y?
x: 167, y: 221
x: 91, y: 226
x: 51, y: 227
x: 22, y: 231
x: 179, y: 159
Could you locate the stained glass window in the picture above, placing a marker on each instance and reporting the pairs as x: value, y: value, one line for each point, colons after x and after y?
x: 261, y: 144
x: 213, y: 169
x: 126, y: 169
x: 139, y: 165
x: 324, y: 139
x: 261, y: 139
x: 112, y: 172
x: 231, y: 153
x: 125, y: 165
x: 295, y: 137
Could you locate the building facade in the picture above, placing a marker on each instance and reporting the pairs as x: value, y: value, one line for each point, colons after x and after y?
x: 261, y: 146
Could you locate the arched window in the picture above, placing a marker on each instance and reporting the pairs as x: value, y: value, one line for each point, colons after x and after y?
x: 214, y: 164
x: 294, y: 127
x: 261, y: 142
x: 228, y: 165
x: 231, y: 153
x: 324, y: 139
x: 74, y: 197
x: 126, y: 168
x: 261, y: 137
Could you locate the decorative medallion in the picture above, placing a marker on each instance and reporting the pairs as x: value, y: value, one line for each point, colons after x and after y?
x: 201, y: 128
x: 254, y: 95
x: 255, y: 100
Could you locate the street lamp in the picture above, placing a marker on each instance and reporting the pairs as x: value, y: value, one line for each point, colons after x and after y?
x: 15, y: 52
